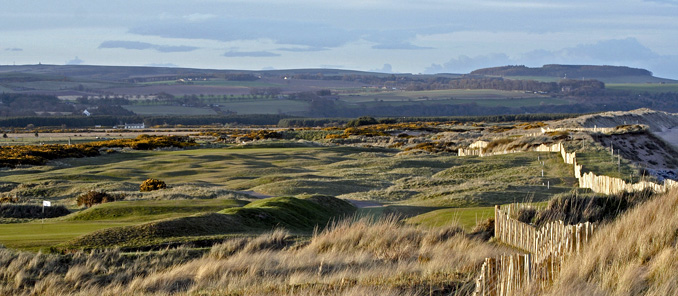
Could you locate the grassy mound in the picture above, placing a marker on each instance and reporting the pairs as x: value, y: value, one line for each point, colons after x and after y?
x: 296, y: 214
x: 147, y: 210
x: 634, y: 255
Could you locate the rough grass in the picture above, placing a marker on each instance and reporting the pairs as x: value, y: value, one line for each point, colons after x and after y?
x: 349, y: 258
x: 634, y: 255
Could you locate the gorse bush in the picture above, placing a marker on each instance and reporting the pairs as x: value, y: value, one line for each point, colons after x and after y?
x: 95, y: 197
x: 152, y: 184
x: 12, y: 156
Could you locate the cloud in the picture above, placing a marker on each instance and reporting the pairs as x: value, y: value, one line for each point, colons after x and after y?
x: 610, y: 51
x: 400, y: 46
x: 387, y: 68
x: 671, y: 2
x: 332, y: 66
x: 162, y: 65
x: 75, y: 61
x: 143, y: 46
x: 13, y: 49
x: 196, y: 17
x: 465, y: 64
x: 616, y: 52
x: 253, y: 54
x: 291, y: 32
x: 303, y: 49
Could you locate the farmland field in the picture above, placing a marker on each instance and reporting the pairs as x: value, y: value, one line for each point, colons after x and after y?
x: 172, y: 110
x: 645, y: 87
x: 265, y: 106
x: 490, y: 98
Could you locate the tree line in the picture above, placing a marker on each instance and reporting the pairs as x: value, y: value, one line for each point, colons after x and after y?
x: 109, y: 121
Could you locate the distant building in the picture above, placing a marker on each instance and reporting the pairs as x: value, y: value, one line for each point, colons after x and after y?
x: 87, y: 113
x: 134, y: 126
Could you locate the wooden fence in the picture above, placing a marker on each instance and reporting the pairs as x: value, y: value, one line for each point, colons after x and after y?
x: 598, y: 184
x: 547, y: 248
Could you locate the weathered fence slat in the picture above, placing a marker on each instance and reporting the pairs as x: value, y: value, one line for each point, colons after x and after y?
x: 547, y: 248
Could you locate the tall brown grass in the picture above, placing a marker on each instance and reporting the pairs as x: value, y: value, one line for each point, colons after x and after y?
x: 351, y: 257
x: 637, y: 254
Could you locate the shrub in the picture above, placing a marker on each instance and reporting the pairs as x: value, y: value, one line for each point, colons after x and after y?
x: 95, y: 197
x: 152, y: 184
x: 8, y: 199
x: 364, y: 120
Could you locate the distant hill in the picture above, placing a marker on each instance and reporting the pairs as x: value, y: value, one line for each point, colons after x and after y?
x: 608, y: 74
x: 117, y: 73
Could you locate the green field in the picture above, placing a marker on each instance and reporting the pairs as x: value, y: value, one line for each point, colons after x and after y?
x: 438, y: 95
x: 535, y: 78
x: 482, y: 97
x: 265, y: 106
x: 169, y: 110
x: 216, y: 82
x: 645, y: 87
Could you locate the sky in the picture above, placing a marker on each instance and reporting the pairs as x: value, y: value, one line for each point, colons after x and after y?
x: 393, y: 36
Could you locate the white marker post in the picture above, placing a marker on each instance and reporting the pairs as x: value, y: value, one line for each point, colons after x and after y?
x: 45, y: 203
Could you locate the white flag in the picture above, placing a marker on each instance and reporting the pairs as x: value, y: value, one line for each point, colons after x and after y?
x: 46, y: 203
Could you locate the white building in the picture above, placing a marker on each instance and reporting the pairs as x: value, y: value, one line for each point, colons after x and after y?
x: 135, y: 125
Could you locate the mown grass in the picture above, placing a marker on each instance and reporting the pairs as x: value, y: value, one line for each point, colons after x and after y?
x: 40, y: 234
x: 295, y: 214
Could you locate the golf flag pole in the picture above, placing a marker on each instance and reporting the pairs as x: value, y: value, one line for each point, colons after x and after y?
x: 45, y: 203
